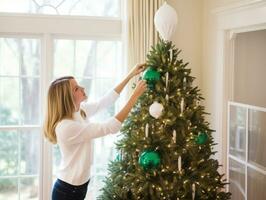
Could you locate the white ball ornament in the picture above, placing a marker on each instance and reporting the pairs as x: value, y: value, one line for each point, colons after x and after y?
x: 165, y: 21
x: 156, y: 110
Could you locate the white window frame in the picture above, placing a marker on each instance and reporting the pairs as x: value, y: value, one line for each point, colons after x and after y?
x: 47, y: 28
x: 244, y: 162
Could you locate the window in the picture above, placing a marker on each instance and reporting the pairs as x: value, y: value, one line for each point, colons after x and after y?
x: 247, y: 162
x: 19, y: 118
x: 108, y: 8
x: 33, y: 51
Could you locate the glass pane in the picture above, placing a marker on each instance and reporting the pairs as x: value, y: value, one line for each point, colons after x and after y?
x: 257, y: 138
x: 64, y: 57
x: 85, y: 58
x: 237, y: 132
x: 8, y: 188
x: 65, y: 7
x: 100, y: 87
x: 9, y: 57
x: 9, y: 104
x: 237, y: 180
x: 30, y: 151
x: 87, y: 84
x: 103, y: 152
x: 8, y: 153
x: 74, y: 57
x: 103, y: 148
x: 29, y: 188
x: 256, y: 185
x: 56, y: 158
x: 23, y: 106
x: 109, y: 59
x: 30, y: 56
x: 19, y: 56
x: 30, y: 100
x: 82, y: 58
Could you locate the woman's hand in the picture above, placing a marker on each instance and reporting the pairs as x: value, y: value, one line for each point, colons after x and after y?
x: 138, y: 68
x: 140, y: 88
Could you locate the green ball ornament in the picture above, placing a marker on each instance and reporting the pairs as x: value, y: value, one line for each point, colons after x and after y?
x: 151, y: 76
x: 149, y: 160
x: 201, y: 138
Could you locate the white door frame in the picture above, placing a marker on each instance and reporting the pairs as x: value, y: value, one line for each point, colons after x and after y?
x: 240, y: 17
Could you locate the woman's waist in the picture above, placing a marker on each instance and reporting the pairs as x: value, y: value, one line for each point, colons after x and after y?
x: 64, y: 184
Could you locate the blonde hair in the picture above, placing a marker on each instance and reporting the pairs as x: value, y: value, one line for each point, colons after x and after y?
x: 60, y: 105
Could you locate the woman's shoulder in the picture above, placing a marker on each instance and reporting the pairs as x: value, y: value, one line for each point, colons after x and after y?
x: 64, y: 123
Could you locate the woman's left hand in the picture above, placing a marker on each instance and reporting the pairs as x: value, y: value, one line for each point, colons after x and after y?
x: 138, y: 68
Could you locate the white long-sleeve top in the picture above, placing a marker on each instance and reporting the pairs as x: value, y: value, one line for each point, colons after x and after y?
x: 74, y: 138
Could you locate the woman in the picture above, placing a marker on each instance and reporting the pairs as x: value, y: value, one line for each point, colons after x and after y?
x: 67, y: 125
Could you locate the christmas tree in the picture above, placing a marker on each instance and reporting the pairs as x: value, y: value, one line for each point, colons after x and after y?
x: 166, y: 149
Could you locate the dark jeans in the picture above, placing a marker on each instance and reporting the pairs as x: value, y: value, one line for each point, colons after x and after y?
x: 66, y: 191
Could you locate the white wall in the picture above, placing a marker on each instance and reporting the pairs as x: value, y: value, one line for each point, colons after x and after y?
x: 188, y: 36
x: 210, y: 72
x: 191, y: 34
x: 209, y: 48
